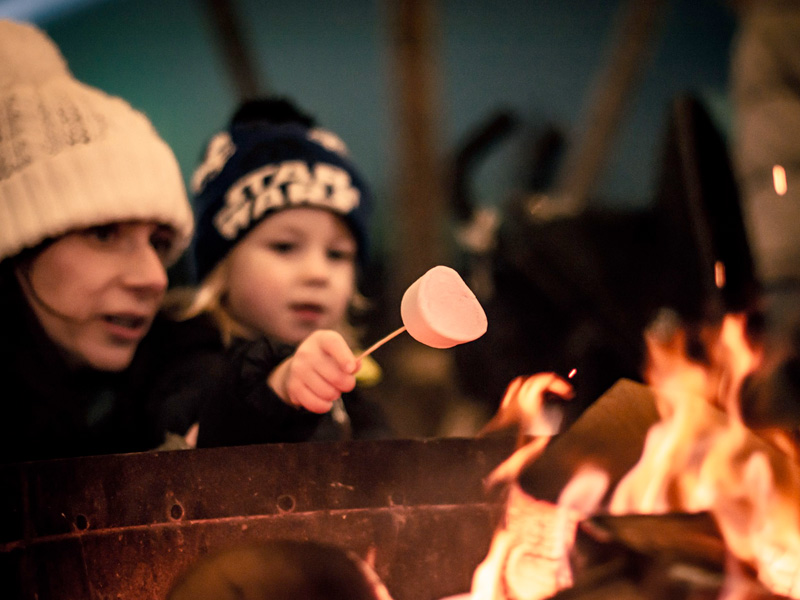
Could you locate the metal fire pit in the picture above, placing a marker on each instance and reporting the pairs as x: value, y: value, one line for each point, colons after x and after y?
x: 125, y: 526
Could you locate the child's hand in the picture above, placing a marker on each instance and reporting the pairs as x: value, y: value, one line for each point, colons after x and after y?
x: 322, y: 367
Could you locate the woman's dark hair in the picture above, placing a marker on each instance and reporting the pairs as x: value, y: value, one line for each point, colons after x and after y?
x: 21, y: 260
x: 21, y: 263
x: 6, y: 271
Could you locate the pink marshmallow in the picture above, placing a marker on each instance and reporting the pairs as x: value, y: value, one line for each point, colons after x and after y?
x: 440, y: 311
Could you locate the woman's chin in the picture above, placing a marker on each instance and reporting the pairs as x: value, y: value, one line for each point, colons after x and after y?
x: 107, y: 359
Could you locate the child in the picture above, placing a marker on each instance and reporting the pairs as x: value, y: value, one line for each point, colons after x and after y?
x: 92, y: 210
x: 281, y: 232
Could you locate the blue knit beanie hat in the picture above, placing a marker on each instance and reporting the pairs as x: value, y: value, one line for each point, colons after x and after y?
x: 271, y: 158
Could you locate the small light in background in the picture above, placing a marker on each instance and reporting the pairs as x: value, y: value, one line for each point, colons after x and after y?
x: 719, y: 274
x: 779, y: 180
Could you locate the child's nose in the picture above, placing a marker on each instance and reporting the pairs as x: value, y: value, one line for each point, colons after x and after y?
x: 315, y: 266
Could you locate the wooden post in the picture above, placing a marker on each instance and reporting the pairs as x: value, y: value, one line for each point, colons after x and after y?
x: 418, y: 199
x: 637, y: 23
x: 419, y: 387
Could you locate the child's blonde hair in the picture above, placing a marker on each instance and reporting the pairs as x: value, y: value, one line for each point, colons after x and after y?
x: 185, y: 303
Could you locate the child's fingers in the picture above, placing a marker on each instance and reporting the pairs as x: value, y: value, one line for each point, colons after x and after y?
x: 332, y: 374
x: 322, y: 368
x: 314, y: 364
x: 335, y: 346
x: 321, y: 387
x: 302, y: 395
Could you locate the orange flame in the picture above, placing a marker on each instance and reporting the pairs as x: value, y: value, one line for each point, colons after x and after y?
x: 699, y: 456
x: 529, y: 555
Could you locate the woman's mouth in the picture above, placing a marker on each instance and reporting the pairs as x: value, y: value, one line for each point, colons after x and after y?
x: 126, y: 327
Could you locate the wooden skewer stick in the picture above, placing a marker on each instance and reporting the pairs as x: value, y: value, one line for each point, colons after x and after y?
x: 381, y: 342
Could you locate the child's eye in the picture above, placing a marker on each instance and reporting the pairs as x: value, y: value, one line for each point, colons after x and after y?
x: 282, y: 247
x: 338, y: 254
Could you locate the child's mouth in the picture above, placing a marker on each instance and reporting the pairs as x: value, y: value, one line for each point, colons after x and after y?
x: 307, y: 312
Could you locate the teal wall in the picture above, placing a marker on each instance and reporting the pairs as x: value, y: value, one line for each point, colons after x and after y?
x: 536, y: 57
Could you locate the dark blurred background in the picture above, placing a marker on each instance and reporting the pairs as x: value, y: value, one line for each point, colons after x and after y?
x: 547, y: 149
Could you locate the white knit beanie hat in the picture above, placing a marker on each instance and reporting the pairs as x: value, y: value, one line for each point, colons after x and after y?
x: 72, y: 156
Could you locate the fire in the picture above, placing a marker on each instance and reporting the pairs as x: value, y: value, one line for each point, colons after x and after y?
x: 529, y: 555
x: 692, y: 433
x: 699, y: 457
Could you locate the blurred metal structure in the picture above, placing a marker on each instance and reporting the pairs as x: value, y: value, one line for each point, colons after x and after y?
x: 125, y: 526
x: 614, y: 89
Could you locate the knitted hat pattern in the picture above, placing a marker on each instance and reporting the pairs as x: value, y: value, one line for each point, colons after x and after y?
x: 256, y: 168
x: 72, y: 156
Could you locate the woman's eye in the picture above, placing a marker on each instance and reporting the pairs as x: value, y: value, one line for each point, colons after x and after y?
x: 102, y: 233
x: 162, y: 242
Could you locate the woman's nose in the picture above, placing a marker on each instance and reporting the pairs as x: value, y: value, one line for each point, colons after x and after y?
x: 144, y: 269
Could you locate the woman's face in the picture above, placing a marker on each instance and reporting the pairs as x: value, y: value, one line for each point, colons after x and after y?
x: 293, y: 274
x: 96, y: 291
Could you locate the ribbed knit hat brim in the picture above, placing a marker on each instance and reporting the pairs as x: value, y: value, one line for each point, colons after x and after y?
x: 72, y: 156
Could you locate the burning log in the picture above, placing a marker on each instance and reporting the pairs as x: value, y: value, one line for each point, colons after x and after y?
x: 529, y: 556
x: 676, y: 556
x: 610, y: 435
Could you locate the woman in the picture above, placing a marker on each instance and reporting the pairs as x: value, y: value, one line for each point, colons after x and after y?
x: 92, y: 211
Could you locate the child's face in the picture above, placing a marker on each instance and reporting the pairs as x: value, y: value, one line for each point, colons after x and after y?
x: 293, y: 274
x: 96, y: 291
